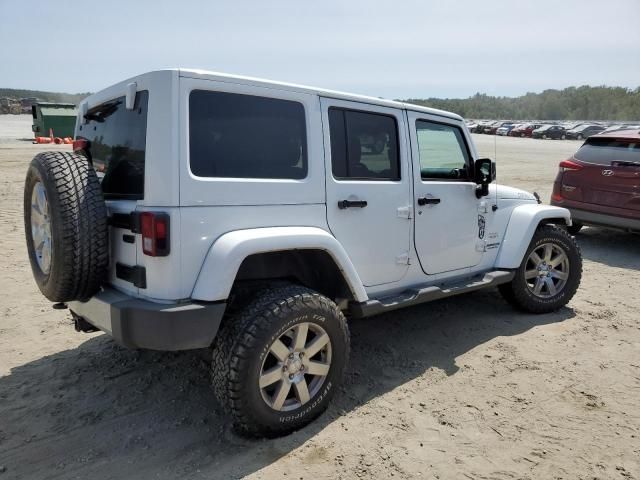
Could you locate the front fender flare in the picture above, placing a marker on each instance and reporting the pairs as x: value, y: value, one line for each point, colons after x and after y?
x: 522, y: 224
x: 227, y: 253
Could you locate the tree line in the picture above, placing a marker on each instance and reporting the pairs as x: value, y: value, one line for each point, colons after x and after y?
x: 55, y: 97
x: 572, y: 103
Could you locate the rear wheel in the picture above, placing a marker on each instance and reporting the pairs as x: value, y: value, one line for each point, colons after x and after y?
x: 277, y: 363
x: 550, y: 272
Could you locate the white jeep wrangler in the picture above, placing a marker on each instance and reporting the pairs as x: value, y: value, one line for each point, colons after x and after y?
x: 254, y: 217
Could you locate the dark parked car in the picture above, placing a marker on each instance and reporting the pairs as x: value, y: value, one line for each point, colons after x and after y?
x: 491, y: 129
x: 525, y: 130
x: 584, y: 131
x: 480, y: 126
x: 600, y: 183
x: 550, y: 131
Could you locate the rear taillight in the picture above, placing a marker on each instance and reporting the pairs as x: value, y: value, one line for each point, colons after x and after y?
x: 568, y: 166
x: 154, y: 227
x: 80, y: 144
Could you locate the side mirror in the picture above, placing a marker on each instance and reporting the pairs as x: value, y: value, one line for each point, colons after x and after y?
x: 484, y: 174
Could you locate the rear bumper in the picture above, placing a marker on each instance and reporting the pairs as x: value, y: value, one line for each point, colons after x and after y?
x: 137, y: 323
x: 594, y: 218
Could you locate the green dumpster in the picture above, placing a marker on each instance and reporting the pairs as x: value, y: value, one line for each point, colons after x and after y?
x: 59, y: 117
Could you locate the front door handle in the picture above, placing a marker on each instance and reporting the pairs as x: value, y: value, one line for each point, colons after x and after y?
x: 428, y: 201
x: 342, y: 204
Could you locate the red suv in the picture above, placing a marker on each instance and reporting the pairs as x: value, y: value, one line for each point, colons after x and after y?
x: 600, y: 184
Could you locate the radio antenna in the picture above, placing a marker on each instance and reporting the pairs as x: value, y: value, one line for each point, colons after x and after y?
x: 495, y: 159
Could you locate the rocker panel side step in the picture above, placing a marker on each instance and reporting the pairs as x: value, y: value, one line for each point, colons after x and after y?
x: 428, y: 294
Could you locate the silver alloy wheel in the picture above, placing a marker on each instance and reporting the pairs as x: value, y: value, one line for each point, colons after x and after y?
x: 296, y: 367
x: 41, y: 227
x: 547, y: 270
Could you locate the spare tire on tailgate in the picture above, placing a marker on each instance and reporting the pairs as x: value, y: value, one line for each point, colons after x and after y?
x: 65, y: 223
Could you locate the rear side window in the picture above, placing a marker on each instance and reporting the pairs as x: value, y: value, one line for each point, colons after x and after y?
x: 363, y: 145
x: 116, y: 145
x: 246, y: 136
x: 605, y: 151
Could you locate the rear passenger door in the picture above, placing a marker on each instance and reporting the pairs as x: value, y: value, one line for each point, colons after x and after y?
x: 368, y: 187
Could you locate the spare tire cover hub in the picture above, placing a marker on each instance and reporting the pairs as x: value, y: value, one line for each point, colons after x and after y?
x: 41, y: 227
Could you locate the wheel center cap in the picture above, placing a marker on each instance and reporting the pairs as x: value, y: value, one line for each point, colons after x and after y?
x: 294, y: 365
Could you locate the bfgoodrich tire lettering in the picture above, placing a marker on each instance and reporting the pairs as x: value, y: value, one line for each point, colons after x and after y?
x: 519, y: 293
x: 76, y: 226
x: 244, y: 342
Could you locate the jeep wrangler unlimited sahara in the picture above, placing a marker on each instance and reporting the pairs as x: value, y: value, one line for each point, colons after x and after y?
x: 253, y: 217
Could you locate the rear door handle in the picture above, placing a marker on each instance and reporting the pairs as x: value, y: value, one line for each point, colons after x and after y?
x: 428, y: 201
x: 342, y: 204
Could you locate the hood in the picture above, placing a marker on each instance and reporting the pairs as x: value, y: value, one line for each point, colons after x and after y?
x: 510, y: 193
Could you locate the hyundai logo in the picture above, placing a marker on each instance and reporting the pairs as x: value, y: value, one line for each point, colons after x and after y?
x: 607, y: 173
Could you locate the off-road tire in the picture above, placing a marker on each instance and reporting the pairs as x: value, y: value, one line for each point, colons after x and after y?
x: 574, y: 228
x: 518, y: 294
x: 78, y: 226
x: 245, y: 338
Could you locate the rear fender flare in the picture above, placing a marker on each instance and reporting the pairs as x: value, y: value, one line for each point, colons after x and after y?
x: 227, y: 253
x: 522, y: 225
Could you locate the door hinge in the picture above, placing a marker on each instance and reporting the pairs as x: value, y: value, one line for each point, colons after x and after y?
x: 405, y: 212
x: 483, y: 207
x: 481, y: 246
x: 403, y: 259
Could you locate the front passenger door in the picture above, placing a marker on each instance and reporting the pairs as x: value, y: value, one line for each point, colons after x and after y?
x: 448, y: 225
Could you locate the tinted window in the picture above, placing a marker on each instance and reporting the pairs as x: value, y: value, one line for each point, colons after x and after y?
x: 244, y: 136
x: 363, y: 145
x: 443, y: 153
x: 607, y: 151
x: 116, y: 145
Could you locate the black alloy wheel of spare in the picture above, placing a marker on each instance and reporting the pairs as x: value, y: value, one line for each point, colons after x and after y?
x: 65, y: 223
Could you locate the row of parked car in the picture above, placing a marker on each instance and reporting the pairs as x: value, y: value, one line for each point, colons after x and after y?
x: 572, y: 131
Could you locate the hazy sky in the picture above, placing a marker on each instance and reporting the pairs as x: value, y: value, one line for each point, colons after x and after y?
x: 394, y: 49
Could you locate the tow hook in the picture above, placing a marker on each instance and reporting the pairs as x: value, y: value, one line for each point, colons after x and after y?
x: 81, y: 325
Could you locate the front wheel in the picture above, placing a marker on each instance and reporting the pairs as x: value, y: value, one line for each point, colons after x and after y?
x: 277, y: 363
x: 549, y: 274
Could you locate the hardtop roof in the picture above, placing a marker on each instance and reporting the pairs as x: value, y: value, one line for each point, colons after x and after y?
x: 224, y: 77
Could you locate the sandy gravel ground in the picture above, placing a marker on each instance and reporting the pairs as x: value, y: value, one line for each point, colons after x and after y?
x: 461, y: 388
